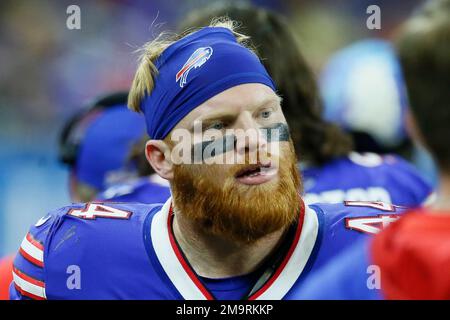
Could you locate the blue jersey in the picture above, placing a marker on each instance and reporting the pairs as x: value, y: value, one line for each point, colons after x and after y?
x: 405, y: 261
x: 366, y: 177
x: 148, y: 190
x: 128, y: 251
x: 350, y: 276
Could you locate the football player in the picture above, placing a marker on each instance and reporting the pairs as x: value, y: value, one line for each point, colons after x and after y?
x: 332, y: 172
x: 96, y: 142
x: 411, y: 258
x: 96, y: 150
x: 233, y: 230
x: 148, y: 188
x: 364, y: 92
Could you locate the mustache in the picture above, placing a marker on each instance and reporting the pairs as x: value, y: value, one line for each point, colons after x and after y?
x: 234, y: 170
x: 227, y: 209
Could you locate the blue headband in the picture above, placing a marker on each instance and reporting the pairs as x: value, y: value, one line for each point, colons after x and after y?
x: 195, y: 69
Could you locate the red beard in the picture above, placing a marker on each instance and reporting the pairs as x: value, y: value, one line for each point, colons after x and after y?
x: 235, y: 211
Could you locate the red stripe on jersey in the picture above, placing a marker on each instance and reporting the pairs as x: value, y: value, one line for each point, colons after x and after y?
x: 35, y: 242
x: 286, y: 258
x: 27, y: 278
x: 266, y: 286
x: 31, y: 259
x: 27, y: 294
x: 183, y: 262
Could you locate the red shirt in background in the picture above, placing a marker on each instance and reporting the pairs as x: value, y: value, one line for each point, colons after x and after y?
x: 5, y: 276
x: 414, y: 256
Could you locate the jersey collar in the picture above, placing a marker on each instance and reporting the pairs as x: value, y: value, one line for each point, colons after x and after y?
x: 190, y: 287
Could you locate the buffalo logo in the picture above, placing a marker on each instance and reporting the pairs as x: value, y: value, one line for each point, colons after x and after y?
x: 196, y: 60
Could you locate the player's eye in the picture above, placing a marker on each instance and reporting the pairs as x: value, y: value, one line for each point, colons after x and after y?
x: 266, y: 114
x: 217, y: 125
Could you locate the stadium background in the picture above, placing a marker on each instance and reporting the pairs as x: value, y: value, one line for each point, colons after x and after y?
x: 48, y: 71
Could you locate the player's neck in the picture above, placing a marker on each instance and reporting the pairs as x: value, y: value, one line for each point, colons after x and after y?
x: 216, y: 257
x: 442, y: 203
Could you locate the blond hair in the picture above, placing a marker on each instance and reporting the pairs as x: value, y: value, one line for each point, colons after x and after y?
x: 144, y: 79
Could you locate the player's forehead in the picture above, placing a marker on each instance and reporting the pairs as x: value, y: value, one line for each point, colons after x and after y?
x: 246, y: 97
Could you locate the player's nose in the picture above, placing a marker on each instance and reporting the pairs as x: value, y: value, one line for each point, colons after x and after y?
x: 249, y: 135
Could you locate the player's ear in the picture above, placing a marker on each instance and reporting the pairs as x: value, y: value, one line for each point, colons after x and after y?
x: 158, y: 155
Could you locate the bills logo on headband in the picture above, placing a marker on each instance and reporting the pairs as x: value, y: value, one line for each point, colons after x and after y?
x: 196, y: 60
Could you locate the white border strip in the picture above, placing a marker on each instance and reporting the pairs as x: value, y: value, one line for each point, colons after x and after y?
x: 28, y: 286
x: 166, y: 256
x: 32, y: 250
x: 293, y: 269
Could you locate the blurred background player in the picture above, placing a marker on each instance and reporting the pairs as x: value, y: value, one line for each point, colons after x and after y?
x: 97, y: 143
x: 411, y: 258
x: 148, y: 188
x: 332, y: 172
x: 364, y: 93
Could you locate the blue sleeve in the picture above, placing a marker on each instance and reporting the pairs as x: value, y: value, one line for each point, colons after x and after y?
x: 348, y: 223
x: 350, y: 276
x: 103, y: 241
x: 29, y: 279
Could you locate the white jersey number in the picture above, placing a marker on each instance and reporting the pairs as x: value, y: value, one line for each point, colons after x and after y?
x: 96, y: 210
x: 370, y: 225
